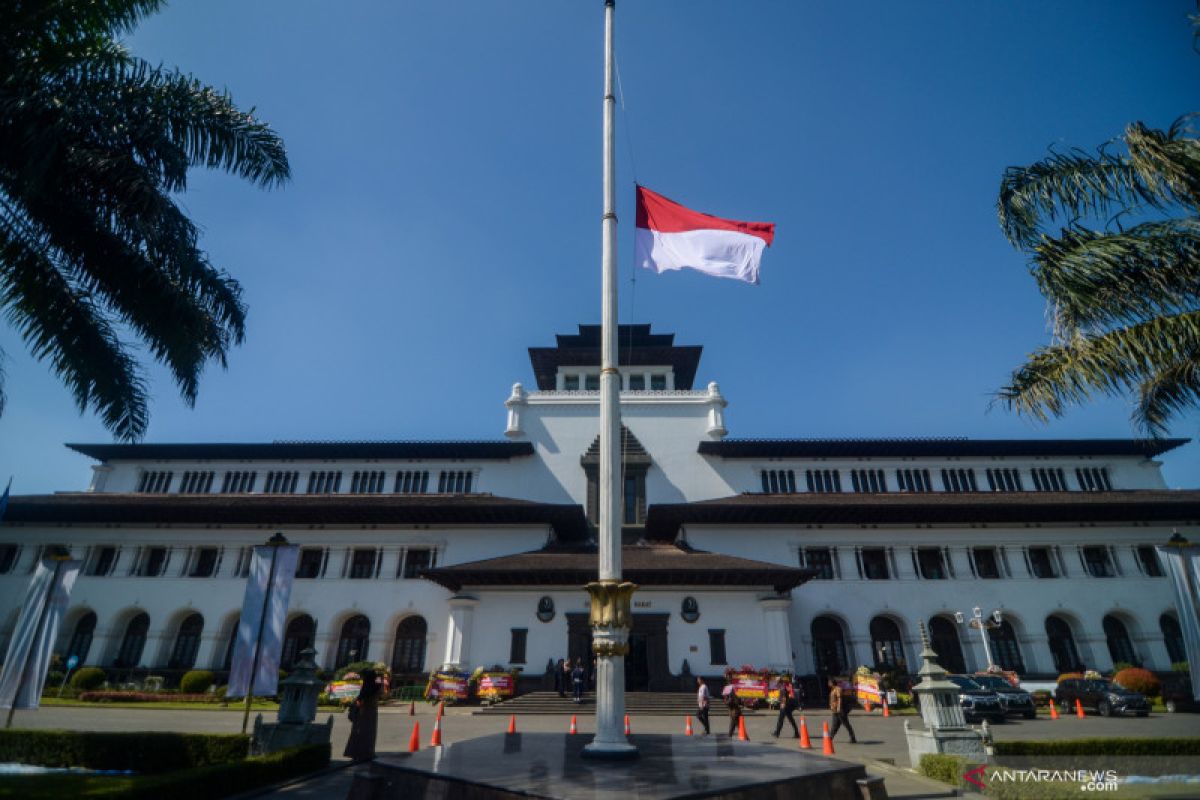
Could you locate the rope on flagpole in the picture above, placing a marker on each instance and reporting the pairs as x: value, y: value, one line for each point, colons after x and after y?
x: 633, y: 168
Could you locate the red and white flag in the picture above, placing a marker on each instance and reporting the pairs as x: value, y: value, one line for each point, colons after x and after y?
x: 671, y: 237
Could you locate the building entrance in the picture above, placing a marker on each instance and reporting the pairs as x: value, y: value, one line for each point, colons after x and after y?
x: 646, y: 666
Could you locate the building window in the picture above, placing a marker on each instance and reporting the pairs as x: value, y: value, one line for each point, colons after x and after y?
x: 366, y: 482
x: 778, y: 481
x: 408, y: 654
x: 187, y: 643
x: 591, y: 383
x: 1098, y: 562
x: 362, y: 562
x: 156, y: 482
x: 959, y: 480
x: 352, y: 643
x: 516, y: 649
x: 913, y: 480
x: 716, y: 646
x: 873, y: 563
x: 153, y: 562
x: 829, y: 647
x: 631, y: 501
x: 823, y: 480
x: 886, y: 645
x: 571, y: 383
x: 238, y: 482
x: 300, y: 634
x: 637, y: 383
x: 410, y: 481
x: 1041, y: 562
x: 1004, y: 480
x: 204, y: 563
x: 1093, y: 479
x: 414, y: 560
x: 930, y: 563
x: 310, y: 562
x: 987, y: 565
x: 324, y: 482
x: 1173, y: 638
x: 819, y: 559
x: 134, y: 641
x: 81, y: 638
x: 281, y: 482
x: 8, y: 557
x: 196, y: 482
x: 1062, y: 645
x: 455, y: 481
x: 1049, y: 479
x: 1005, y: 648
x: 658, y: 383
x: 1120, y: 646
x: 868, y: 480
x: 1146, y: 558
x: 103, y: 561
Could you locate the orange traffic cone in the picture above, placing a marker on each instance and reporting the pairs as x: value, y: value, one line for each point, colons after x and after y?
x: 805, y: 742
x: 414, y: 742
x: 412, y: 708
x: 436, y: 741
x: 687, y: 726
x: 1078, y: 708
x: 512, y: 724
x: 441, y: 709
x: 627, y: 731
x: 867, y: 706
x: 827, y: 745
x: 742, y: 737
x: 574, y: 729
x: 886, y: 711
x: 1053, y: 709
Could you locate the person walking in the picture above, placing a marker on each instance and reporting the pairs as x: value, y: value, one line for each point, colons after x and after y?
x: 560, y: 680
x: 364, y: 720
x: 566, y: 676
x: 787, y: 705
x: 839, y: 705
x: 578, y: 677
x: 735, y: 712
x: 702, y: 700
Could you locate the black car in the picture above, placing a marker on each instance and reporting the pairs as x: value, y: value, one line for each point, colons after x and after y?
x: 1103, y: 696
x: 1015, y: 700
x: 977, y: 702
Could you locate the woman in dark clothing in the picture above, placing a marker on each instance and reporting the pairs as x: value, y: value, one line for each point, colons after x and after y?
x: 559, y: 680
x: 735, y: 712
x: 787, y: 704
x: 364, y: 720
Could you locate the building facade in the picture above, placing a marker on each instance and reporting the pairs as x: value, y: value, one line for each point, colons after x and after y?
x: 812, y: 555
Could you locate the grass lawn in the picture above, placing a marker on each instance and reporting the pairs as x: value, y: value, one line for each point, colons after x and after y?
x: 260, y: 705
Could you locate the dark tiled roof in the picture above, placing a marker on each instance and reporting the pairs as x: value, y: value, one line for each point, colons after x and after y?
x: 293, y: 510
x: 894, y: 448
x: 476, y: 451
x: 636, y: 346
x: 654, y: 564
x: 845, y: 508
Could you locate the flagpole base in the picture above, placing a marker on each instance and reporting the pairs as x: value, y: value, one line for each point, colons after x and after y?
x: 609, y: 751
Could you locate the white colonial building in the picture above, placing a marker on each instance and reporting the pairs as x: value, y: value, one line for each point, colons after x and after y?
x: 819, y: 555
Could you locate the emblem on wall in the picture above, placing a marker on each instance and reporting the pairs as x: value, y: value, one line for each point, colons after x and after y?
x: 690, y: 611
x: 545, y: 609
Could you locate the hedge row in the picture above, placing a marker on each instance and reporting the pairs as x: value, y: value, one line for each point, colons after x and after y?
x: 141, y: 752
x: 147, y: 697
x: 223, y: 780
x: 944, y: 768
x: 1101, y: 747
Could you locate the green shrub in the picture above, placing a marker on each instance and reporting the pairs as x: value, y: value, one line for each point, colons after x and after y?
x: 944, y: 768
x: 1136, y: 679
x: 140, y: 752
x: 223, y: 780
x: 1042, y: 697
x: 197, y: 681
x: 1180, y: 666
x: 904, y: 700
x: 1069, y: 675
x: 358, y: 666
x: 88, y: 678
x: 1101, y: 747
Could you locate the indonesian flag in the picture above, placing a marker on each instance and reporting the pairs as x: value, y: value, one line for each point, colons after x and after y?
x: 671, y: 237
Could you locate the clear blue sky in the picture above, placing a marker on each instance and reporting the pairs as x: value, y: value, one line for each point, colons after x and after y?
x: 445, y: 211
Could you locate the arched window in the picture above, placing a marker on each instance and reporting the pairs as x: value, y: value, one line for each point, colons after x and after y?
x: 352, y: 644
x: 886, y: 645
x: 187, y: 643
x: 299, y: 636
x: 1062, y: 645
x: 227, y: 664
x: 1173, y: 638
x: 133, y: 642
x: 408, y: 654
x: 829, y: 647
x: 1120, y: 647
x: 943, y: 638
x: 81, y: 639
x: 1005, y: 650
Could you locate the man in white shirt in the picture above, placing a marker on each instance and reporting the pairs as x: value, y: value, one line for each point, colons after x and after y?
x: 702, y: 704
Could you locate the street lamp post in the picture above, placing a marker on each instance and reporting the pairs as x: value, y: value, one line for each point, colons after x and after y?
x: 983, y: 625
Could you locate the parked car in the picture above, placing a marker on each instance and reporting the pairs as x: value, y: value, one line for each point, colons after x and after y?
x: 1177, y: 693
x: 977, y: 702
x: 1103, y: 696
x: 1015, y: 700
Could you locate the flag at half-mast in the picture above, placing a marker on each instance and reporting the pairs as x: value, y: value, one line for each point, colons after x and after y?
x: 670, y: 236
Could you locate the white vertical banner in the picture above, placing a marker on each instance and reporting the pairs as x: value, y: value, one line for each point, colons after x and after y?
x: 1183, y: 565
x: 277, y: 581
x: 32, y: 643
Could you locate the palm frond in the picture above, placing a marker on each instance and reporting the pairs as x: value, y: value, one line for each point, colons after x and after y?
x: 1169, y: 391
x: 1169, y: 160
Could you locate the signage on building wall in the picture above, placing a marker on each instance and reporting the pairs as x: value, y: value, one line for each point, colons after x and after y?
x: 690, y: 610
x: 545, y: 609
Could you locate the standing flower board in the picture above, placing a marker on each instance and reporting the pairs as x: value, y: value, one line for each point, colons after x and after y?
x: 449, y: 687
x: 775, y: 686
x: 497, y: 686
x: 750, y: 687
x: 344, y: 691
x: 867, y: 690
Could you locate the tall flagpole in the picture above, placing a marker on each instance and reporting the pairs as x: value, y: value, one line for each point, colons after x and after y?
x: 610, y: 596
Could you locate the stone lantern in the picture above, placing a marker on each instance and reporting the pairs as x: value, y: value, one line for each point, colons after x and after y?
x: 297, y: 710
x: 946, y: 729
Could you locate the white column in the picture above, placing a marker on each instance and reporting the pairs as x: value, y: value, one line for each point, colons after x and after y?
x: 458, y: 631
x: 515, y: 404
x: 716, y: 412
x: 779, y: 633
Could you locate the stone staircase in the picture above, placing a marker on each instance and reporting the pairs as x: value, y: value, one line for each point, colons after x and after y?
x: 663, y: 704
